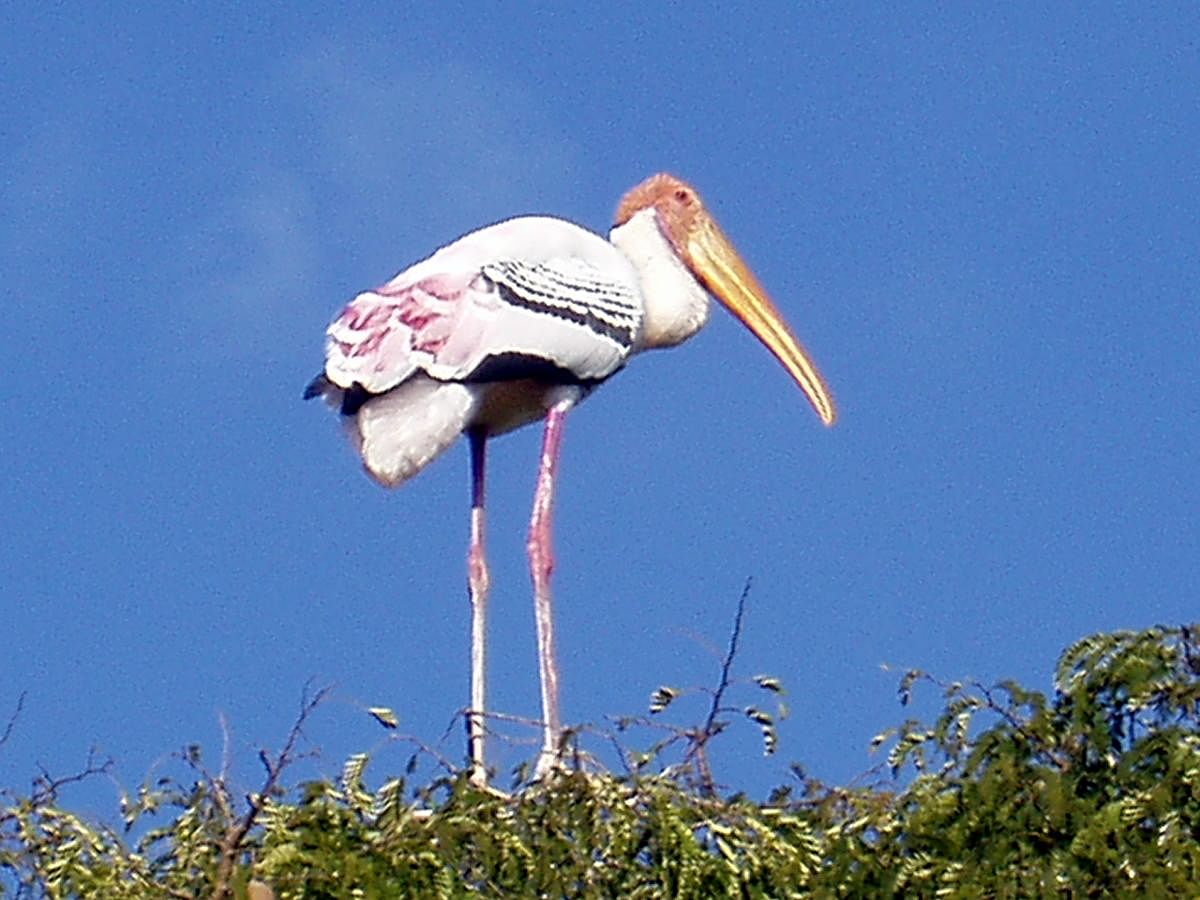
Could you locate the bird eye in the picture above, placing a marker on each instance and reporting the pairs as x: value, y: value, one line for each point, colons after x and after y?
x: 683, y: 195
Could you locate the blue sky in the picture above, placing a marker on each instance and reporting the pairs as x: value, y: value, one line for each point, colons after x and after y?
x: 982, y: 223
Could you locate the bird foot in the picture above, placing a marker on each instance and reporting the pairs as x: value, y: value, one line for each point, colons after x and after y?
x: 492, y: 791
x: 549, y: 766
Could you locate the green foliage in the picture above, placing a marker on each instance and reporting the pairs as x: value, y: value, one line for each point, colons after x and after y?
x: 1093, y: 790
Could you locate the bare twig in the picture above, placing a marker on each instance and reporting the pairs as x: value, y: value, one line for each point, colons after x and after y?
x: 432, y: 752
x: 46, y: 786
x: 12, y: 720
x: 218, y: 787
x: 620, y: 751
x: 467, y: 715
x: 712, y: 727
x: 235, y: 837
x: 226, y: 740
x: 727, y: 663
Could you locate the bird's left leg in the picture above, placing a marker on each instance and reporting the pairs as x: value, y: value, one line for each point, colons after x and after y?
x: 541, y: 564
x: 478, y: 584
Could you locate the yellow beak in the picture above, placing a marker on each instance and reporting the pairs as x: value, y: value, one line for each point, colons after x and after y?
x: 725, y: 274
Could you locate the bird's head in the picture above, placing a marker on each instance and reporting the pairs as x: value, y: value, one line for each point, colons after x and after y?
x: 710, y: 256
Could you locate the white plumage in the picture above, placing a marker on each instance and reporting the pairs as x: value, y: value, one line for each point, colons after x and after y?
x: 517, y: 322
x: 535, y: 300
x: 400, y: 432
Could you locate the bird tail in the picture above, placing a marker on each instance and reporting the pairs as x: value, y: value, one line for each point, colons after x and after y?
x: 400, y: 432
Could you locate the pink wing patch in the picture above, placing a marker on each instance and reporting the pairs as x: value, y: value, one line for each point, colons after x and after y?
x: 385, y: 335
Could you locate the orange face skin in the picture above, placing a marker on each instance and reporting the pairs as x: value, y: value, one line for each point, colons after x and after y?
x: 709, y: 254
x: 677, y: 203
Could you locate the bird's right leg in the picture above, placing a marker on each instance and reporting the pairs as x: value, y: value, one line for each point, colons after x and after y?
x: 478, y: 583
x: 541, y: 562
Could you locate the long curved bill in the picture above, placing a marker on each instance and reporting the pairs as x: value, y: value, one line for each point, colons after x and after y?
x: 723, y: 271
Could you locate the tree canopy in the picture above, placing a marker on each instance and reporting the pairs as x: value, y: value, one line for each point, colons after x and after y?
x: 1092, y: 789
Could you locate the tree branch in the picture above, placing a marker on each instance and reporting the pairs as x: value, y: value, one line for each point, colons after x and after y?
x: 46, y: 786
x: 711, y: 728
x: 235, y: 836
x: 12, y: 720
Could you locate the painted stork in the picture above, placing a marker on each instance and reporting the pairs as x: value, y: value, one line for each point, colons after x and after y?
x: 517, y: 322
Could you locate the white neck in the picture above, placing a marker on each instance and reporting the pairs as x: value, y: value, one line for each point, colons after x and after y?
x: 676, y: 306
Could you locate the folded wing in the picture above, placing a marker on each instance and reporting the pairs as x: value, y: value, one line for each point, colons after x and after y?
x: 529, y: 300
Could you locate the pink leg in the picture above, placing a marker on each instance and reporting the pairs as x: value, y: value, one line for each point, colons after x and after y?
x: 478, y: 582
x: 541, y: 563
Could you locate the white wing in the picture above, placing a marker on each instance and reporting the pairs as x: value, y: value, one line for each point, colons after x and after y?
x: 534, y: 292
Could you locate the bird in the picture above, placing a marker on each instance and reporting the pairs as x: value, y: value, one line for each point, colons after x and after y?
x: 519, y: 322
